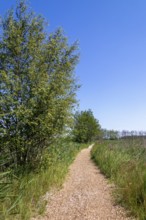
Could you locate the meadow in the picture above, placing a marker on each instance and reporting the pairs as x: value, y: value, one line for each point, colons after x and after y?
x: 21, y: 195
x: 123, y: 161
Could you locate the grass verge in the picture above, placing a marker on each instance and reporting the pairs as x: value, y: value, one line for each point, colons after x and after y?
x: 22, y: 195
x: 124, y: 162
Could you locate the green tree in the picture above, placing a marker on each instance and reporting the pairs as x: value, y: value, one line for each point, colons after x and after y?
x: 110, y: 134
x: 86, y: 127
x: 37, y: 85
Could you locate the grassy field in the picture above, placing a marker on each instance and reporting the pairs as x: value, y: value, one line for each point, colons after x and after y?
x: 124, y: 162
x: 20, y: 196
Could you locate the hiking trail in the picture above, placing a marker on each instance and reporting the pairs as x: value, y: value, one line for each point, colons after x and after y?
x: 85, y: 195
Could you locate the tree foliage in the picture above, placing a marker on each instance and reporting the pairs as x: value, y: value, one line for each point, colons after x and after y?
x: 86, y: 127
x: 37, y: 85
x: 110, y: 134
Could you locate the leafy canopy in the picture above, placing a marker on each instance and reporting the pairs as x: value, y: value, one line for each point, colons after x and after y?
x: 86, y: 127
x: 37, y: 85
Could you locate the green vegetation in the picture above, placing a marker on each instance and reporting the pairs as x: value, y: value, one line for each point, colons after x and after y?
x: 37, y: 86
x: 37, y: 98
x: 110, y: 134
x: 86, y: 127
x: 124, y: 162
x: 22, y: 198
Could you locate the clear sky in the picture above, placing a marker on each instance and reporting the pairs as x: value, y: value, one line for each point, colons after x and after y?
x: 112, y: 67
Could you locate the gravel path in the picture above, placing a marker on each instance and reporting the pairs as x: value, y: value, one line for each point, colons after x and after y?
x: 86, y: 195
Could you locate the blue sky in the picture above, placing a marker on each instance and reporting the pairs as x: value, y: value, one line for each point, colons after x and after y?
x: 112, y: 67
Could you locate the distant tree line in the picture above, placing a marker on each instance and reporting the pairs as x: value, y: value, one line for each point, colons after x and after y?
x: 113, y: 134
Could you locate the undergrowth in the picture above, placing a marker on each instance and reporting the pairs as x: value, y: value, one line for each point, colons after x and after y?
x: 21, y: 196
x: 124, y: 162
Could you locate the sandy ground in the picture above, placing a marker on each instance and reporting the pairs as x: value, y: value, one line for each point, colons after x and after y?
x: 85, y: 195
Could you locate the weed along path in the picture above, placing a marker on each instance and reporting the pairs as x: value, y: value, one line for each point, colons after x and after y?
x: 86, y: 195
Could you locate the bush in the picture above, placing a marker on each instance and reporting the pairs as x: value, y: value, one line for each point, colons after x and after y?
x: 37, y: 86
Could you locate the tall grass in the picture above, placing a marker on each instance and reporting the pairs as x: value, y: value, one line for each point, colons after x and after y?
x: 22, y: 194
x: 124, y: 162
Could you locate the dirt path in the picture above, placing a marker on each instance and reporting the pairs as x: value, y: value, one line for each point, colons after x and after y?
x: 86, y: 195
